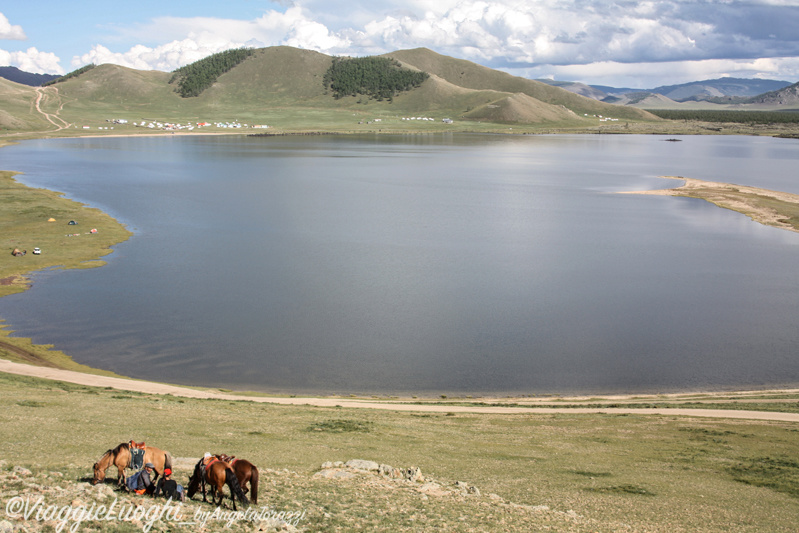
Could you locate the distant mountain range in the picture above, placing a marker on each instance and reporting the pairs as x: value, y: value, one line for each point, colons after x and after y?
x: 723, y: 91
x: 26, y: 78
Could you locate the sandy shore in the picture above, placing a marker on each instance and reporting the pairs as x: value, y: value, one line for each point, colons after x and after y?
x: 746, y: 200
x: 392, y: 405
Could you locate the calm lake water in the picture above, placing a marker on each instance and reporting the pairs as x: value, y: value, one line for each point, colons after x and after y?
x: 422, y: 264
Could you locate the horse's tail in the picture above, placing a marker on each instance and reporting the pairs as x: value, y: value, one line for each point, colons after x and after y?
x: 168, y: 460
x: 235, y: 489
x: 254, y: 485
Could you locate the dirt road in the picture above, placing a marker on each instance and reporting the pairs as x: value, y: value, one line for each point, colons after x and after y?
x: 392, y: 405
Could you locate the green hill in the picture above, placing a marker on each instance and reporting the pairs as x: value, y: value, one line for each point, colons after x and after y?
x: 286, y: 86
x: 17, y: 108
x: 473, y: 76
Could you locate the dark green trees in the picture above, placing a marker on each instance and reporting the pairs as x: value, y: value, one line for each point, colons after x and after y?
x: 73, y: 74
x: 376, y: 77
x: 196, y: 77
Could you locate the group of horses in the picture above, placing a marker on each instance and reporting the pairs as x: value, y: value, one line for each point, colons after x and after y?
x: 215, y: 471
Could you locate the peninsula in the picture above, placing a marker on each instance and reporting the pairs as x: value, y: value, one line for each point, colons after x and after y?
x: 771, y: 208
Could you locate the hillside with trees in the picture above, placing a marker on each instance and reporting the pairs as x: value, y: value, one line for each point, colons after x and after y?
x: 380, y: 78
x: 196, y: 77
x: 69, y: 76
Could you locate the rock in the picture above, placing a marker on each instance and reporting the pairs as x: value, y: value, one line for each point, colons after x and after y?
x: 103, y: 491
x: 360, y: 464
x: 389, y: 471
x: 21, y: 471
x: 6, y: 526
x: 433, y: 489
x: 413, y: 474
x: 334, y: 473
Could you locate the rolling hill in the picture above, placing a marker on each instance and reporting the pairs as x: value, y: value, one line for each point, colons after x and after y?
x: 476, y: 77
x: 17, y: 111
x: 285, y: 83
x: 719, y: 93
x: 702, y: 90
x: 787, y: 96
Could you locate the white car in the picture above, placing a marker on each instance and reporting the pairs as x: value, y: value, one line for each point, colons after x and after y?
x: 37, y: 251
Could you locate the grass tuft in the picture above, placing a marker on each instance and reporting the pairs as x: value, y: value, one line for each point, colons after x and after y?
x: 31, y: 403
x: 586, y: 473
x: 775, y: 473
x: 622, y: 489
x: 342, y: 426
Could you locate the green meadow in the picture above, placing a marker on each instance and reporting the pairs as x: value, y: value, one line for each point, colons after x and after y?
x: 533, y: 472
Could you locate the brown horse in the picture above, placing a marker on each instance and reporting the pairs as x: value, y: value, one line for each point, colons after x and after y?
x: 246, y: 472
x: 120, y: 457
x: 217, y: 474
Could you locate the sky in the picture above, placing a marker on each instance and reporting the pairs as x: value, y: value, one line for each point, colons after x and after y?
x: 620, y: 43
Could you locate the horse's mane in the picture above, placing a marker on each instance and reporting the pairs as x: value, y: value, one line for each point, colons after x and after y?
x: 123, y: 445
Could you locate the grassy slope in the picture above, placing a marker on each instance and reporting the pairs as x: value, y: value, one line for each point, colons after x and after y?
x: 112, y: 91
x: 17, y: 112
x: 473, y: 76
x: 614, y: 473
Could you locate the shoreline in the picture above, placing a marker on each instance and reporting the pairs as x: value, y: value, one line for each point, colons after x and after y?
x: 765, y: 206
x: 533, y: 406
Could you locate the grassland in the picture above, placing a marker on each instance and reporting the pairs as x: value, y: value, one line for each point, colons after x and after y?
x: 39, y: 218
x: 561, y: 472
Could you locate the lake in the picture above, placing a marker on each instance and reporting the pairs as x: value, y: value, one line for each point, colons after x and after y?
x: 422, y: 264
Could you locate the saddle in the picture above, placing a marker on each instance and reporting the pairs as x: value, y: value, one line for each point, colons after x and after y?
x: 137, y: 450
x: 229, y: 459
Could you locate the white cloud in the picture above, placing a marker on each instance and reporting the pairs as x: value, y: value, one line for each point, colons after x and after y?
x: 166, y: 57
x: 32, y: 60
x: 9, y: 31
x: 543, y: 31
x: 205, y: 36
x: 507, y: 34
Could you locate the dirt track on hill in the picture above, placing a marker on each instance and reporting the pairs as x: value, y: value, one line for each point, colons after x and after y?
x: 161, y: 388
